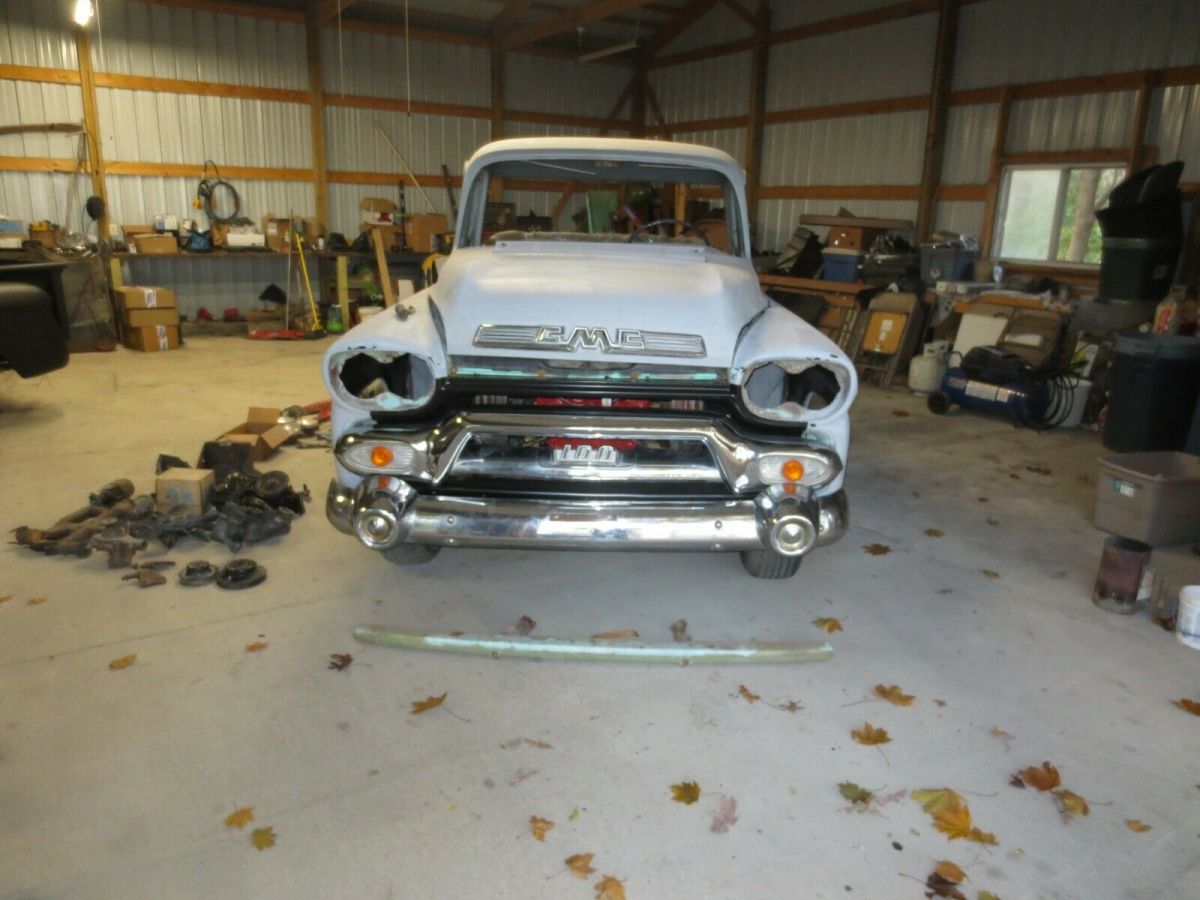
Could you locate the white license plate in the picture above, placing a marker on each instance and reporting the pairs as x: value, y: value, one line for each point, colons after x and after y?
x: 585, y: 454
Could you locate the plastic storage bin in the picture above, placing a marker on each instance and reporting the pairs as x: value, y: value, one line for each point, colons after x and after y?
x: 1150, y: 497
x: 841, y: 266
x: 947, y: 264
x: 1155, y: 385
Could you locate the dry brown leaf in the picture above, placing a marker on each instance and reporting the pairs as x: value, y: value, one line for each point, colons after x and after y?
x: 998, y: 732
x: 574, y: 814
x: 4, y: 598
x: 870, y: 735
x: 987, y: 895
x: 1037, y: 470
x: 340, y: 662
x: 420, y: 706
x: 35, y: 601
x: 935, y: 800
x: 940, y: 887
x: 687, y: 792
x: 1044, y: 777
x: 934, y: 532
x: 521, y: 776
x: 240, y: 818
x: 940, y: 702
x: 679, y: 632
x: 541, y: 745
x: 791, y: 706
x: 256, y: 646
x: 580, y: 864
x: 859, y: 796
x: 950, y: 872
x: 615, y: 635
x: 725, y: 816
x: 877, y: 549
x: 538, y: 827
x: 901, y: 413
x: 1192, y: 706
x: 525, y: 625
x: 1071, y: 804
x: 262, y: 838
x: 828, y: 625
x: 956, y: 824
x: 608, y: 888
x: 124, y: 662
x: 1014, y: 476
x: 990, y: 574
x: 892, y: 694
x: 1137, y: 825
x: 748, y: 695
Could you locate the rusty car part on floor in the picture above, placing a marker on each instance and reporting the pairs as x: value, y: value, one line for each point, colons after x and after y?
x: 579, y: 649
x: 241, y: 573
x: 146, y: 578
x: 197, y: 572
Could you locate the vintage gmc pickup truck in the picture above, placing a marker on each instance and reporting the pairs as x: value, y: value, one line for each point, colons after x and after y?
x: 599, y: 391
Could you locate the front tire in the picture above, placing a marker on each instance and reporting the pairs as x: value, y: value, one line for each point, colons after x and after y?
x: 770, y: 565
x: 410, y: 554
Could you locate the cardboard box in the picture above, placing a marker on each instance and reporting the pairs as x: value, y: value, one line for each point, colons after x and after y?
x: 219, y: 233
x: 275, y: 229
x: 135, y: 297
x: 183, y: 490
x: 421, y: 230
x: 145, y: 318
x: 377, y: 211
x: 884, y: 331
x: 152, y: 338
x: 261, y: 432
x: 156, y: 244
x: 44, y: 236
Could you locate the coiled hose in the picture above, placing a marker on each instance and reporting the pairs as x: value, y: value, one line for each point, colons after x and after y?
x: 208, y: 187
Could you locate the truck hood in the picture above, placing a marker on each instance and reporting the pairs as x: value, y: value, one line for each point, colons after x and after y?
x: 607, y: 303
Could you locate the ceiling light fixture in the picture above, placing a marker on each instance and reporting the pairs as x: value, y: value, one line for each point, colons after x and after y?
x: 608, y: 51
x: 83, y: 12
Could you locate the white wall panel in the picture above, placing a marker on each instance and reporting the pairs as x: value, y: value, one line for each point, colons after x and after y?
x: 426, y: 141
x: 716, y: 26
x: 136, y: 200
x: 777, y: 219
x: 1014, y: 41
x: 36, y: 33
x: 1071, y: 123
x: 40, y: 195
x: 177, y: 42
x: 882, y: 149
x: 704, y: 90
x: 548, y: 84
x: 892, y: 59
x: 216, y: 283
x: 373, y: 64
x: 970, y: 133
x: 32, y: 103
x: 142, y: 126
x: 1175, y: 128
x: 731, y: 140
x: 959, y: 217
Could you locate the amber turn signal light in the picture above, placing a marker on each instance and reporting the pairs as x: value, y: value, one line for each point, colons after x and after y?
x: 380, y: 456
x: 792, y: 470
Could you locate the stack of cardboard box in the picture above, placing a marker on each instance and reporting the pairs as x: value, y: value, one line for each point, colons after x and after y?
x: 149, y: 317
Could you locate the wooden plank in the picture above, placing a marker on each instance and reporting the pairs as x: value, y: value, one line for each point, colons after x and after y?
x: 759, y: 64
x: 705, y: 125
x: 200, y: 88
x: 191, y: 170
x: 968, y: 192
x: 331, y: 9
x: 415, y: 32
x: 1093, y: 154
x: 228, y: 8
x: 995, y: 173
x: 395, y: 104
x: 385, y: 277
x: 935, y: 122
x: 892, y: 13
x: 497, y: 68
x: 91, y: 124
x: 37, y: 164
x: 838, y: 192
x: 39, y: 73
x: 386, y: 178
x: 1141, y: 116
x: 567, y: 20
x: 312, y: 42
x: 509, y: 13
x: 700, y: 54
x: 848, y: 110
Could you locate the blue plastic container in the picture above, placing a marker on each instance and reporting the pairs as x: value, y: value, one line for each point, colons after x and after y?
x: 841, y: 266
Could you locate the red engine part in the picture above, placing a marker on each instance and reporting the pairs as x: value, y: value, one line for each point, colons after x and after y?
x: 621, y: 444
x: 603, y: 402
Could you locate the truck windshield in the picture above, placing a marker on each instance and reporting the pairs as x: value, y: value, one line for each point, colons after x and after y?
x: 603, y: 200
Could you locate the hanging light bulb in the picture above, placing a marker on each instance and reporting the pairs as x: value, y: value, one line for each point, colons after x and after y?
x: 83, y: 12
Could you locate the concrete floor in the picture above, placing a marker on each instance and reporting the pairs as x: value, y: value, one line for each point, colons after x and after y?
x: 116, y: 783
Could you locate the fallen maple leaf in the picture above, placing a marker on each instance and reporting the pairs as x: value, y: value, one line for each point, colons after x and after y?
x: 987, y: 895
x: 35, y: 601
x: 1071, y: 804
x: 4, y: 598
x: 340, y: 662
x: 608, y: 888
x: 615, y: 635
x: 679, y: 632
x: 828, y: 625
x: 262, y: 838
x: 239, y: 818
x: 877, y: 549
x: 791, y: 706
x: 940, y: 702
x: 124, y: 662
x: 420, y: 706
x: 940, y: 887
x: 747, y: 694
x: 934, y: 800
x: 538, y: 827
x: 1044, y: 777
x: 998, y: 732
x: 870, y: 735
x: 990, y: 574
x: 1192, y: 706
x: 686, y: 792
x: 934, y: 532
x: 892, y: 694
x: 256, y: 646
x: 580, y: 864
x: 855, y: 794
x: 525, y: 625
x: 726, y: 815
x: 949, y: 871
x: 1137, y: 825
x: 956, y: 823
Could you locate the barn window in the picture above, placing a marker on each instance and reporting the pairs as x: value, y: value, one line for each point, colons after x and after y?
x: 1048, y: 213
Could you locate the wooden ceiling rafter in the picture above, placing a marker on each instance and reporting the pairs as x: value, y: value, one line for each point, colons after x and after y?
x: 596, y: 10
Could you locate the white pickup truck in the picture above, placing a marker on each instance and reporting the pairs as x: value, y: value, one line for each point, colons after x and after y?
x: 625, y: 388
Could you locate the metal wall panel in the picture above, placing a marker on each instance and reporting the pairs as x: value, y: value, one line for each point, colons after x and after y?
x: 731, y: 140
x: 36, y: 33
x: 143, y: 126
x: 883, y: 149
x: 959, y: 217
x: 893, y: 59
x: 426, y: 141
x: 704, y: 90
x: 548, y: 84
x: 216, y: 283
x: 716, y: 26
x: 1071, y: 123
x: 32, y: 103
x: 970, y: 133
x: 176, y: 42
x: 137, y: 200
x: 1174, y: 127
x: 777, y: 219
x: 1013, y: 41
x: 32, y: 196
x: 373, y: 64
x: 786, y: 13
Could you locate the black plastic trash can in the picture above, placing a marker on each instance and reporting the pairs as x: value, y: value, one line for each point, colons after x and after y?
x: 1154, y: 386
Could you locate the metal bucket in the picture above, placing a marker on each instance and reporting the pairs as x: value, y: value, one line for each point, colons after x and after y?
x: 1120, y: 575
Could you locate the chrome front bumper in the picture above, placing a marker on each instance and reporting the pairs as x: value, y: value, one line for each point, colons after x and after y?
x: 384, y: 512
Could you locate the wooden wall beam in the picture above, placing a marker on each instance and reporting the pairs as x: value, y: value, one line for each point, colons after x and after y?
x: 193, y: 170
x: 675, y: 26
x: 91, y: 125
x: 1138, y: 155
x: 199, y: 88
x: 838, y: 192
x: 39, y: 73
x: 757, y: 104
x: 568, y: 20
x: 935, y: 123
x: 316, y: 94
x: 995, y: 173
x: 38, y: 164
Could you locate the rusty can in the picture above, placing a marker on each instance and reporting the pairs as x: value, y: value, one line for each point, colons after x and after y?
x: 1121, y: 565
